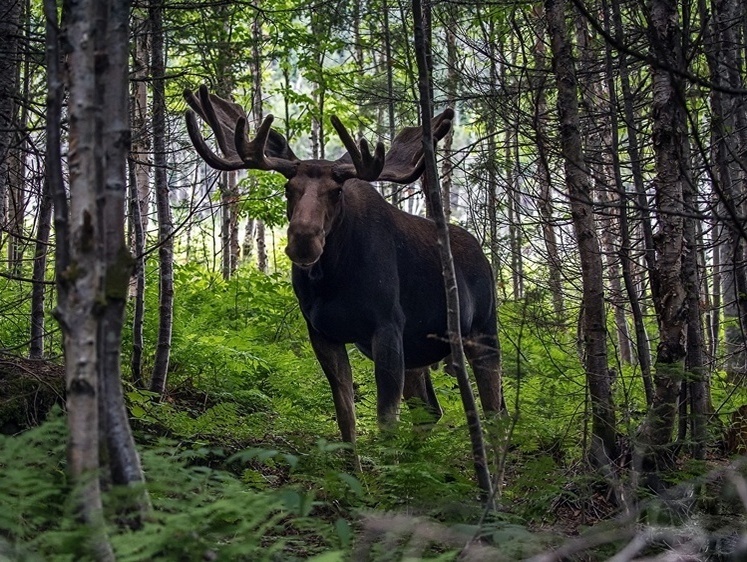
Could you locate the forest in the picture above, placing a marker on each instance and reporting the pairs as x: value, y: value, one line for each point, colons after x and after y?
x: 160, y: 393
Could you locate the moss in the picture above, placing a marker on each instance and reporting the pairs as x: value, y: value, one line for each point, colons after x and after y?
x: 118, y: 275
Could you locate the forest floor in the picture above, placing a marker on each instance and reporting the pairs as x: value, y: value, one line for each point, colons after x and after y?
x: 560, y: 505
x: 28, y: 391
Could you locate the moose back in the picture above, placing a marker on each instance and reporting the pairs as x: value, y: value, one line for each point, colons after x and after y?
x: 365, y: 272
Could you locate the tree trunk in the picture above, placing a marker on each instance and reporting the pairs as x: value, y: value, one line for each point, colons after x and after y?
x: 261, y: 248
x: 165, y: 226
x: 389, y: 68
x: 44, y: 215
x: 671, y: 304
x: 141, y: 134
x: 38, y: 289
x: 229, y: 233
x: 10, y: 38
x: 138, y: 315
x: 729, y: 113
x: 447, y: 261
x: 124, y: 462
x: 452, y: 81
x: 544, y: 205
x: 140, y: 166
x: 79, y: 270
x: 603, y: 452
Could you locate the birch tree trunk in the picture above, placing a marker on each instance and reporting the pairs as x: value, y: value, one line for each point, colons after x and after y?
x: 79, y: 270
x: 603, y: 451
x: 139, y: 165
x: 113, y: 98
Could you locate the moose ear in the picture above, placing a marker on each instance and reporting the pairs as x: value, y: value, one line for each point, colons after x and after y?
x: 404, y: 161
x: 277, y: 147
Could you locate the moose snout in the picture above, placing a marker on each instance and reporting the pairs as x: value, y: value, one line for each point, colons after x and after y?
x: 305, y: 244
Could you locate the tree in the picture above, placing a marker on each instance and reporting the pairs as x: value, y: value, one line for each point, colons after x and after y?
x: 92, y: 261
x: 603, y: 451
x: 163, y: 205
x: 669, y: 128
x: 10, y: 38
x: 422, y: 48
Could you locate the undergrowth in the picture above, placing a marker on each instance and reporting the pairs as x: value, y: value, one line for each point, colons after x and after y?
x: 243, y: 460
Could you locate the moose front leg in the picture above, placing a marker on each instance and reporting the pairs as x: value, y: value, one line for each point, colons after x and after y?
x: 333, y: 357
x: 389, y: 369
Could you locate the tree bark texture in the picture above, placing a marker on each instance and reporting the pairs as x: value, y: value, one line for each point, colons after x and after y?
x: 79, y: 270
x: 729, y: 116
x: 165, y: 225
x: 38, y: 289
x: 603, y: 444
x: 113, y: 97
x: 10, y: 37
x: 670, y: 304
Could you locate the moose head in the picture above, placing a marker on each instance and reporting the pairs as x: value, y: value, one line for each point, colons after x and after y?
x: 314, y: 190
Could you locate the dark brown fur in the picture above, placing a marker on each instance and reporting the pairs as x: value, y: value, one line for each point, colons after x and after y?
x: 364, y: 271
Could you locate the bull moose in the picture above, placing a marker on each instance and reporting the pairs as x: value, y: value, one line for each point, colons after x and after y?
x: 365, y: 272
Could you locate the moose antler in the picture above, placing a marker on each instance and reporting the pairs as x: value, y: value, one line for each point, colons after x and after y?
x: 368, y: 167
x: 228, y: 121
x: 404, y: 161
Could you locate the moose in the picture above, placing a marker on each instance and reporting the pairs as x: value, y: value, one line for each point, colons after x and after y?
x: 365, y: 272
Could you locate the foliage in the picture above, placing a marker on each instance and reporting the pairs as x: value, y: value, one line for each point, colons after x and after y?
x: 198, y: 511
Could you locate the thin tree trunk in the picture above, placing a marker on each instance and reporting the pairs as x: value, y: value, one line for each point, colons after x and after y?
x: 165, y: 226
x: 138, y: 316
x: 389, y: 68
x: 124, y: 461
x: 38, y: 289
x: 258, y: 229
x: 229, y: 233
x: 247, y: 249
x: 642, y: 348
x: 140, y: 166
x: 603, y: 450
x: 261, y: 248
x: 729, y: 114
x: 452, y: 81
x: 141, y: 134
x: 10, y: 34
x: 447, y: 262
x: 671, y: 304
x: 44, y: 226
x: 18, y: 197
x: 545, y: 209
x: 634, y: 154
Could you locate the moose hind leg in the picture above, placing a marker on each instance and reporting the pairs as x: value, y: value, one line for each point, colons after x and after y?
x: 333, y: 357
x: 419, y: 393
x: 482, y: 354
x: 389, y: 369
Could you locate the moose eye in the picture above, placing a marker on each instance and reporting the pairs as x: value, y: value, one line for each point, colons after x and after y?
x: 336, y: 193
